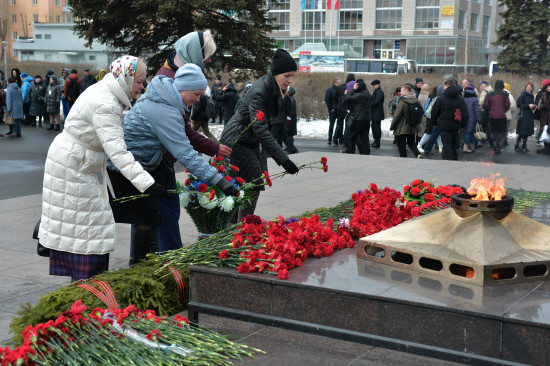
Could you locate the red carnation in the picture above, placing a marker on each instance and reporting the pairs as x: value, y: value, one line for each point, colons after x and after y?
x: 415, y: 191
x: 283, y: 274
x: 267, y: 179
x: 202, y: 187
x: 325, y: 168
x: 228, y: 178
x: 324, y: 160
x: 425, y: 184
x: 223, y: 254
x: 212, y: 195
x: 260, y: 116
x: 220, y: 168
x: 234, y: 167
x: 218, y: 158
x: 416, y: 182
x: 187, y: 181
x: 429, y: 197
x: 240, y: 180
x: 406, y: 188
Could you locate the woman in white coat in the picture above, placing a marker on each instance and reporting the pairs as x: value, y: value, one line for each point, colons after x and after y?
x: 77, y: 224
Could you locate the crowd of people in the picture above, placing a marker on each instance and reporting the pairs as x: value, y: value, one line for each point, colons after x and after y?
x: 450, y: 116
x: 120, y: 140
x: 25, y: 100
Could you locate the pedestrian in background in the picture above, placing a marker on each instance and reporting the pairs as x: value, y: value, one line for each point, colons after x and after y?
x: 358, y: 102
x: 338, y: 136
x: 472, y: 103
x: 526, y: 125
x: 417, y: 88
x: 36, y: 94
x: 376, y: 112
x: 199, y: 117
x: 331, y: 100
x: 496, y: 104
x: 26, y: 86
x: 52, y: 99
x: 216, y: 92
x: 87, y: 81
x: 404, y: 131
x: 14, y: 107
x: 292, y: 123
x: 64, y: 100
x: 229, y: 99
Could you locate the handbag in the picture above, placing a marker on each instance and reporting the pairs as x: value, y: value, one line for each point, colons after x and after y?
x: 479, y: 134
x: 9, y: 120
x: 545, y: 137
x: 40, y: 249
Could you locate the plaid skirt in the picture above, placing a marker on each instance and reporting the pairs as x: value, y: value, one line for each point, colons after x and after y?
x: 78, y: 266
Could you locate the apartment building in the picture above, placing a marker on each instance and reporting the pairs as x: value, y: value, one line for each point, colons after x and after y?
x: 441, y: 34
x: 22, y: 14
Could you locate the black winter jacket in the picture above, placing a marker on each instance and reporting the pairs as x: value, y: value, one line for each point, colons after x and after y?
x: 265, y: 96
x: 359, y: 104
x: 443, y: 110
x: 331, y: 98
x: 377, y: 105
x: 229, y: 100
x: 198, y: 113
x: 340, y: 92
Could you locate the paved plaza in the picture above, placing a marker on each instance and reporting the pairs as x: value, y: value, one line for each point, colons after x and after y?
x: 24, y: 275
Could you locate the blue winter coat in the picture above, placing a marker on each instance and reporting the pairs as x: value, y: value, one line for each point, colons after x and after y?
x: 155, y: 125
x: 526, y: 125
x: 14, y: 101
x: 25, y: 86
x: 472, y: 103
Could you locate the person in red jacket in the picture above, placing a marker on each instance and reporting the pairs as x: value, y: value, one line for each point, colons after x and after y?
x: 71, y: 88
x: 196, y: 48
x: 496, y: 104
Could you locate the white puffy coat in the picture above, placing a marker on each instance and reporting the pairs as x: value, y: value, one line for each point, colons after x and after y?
x: 76, y: 216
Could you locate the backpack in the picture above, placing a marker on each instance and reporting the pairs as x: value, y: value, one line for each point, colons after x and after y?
x: 393, y: 104
x: 210, y: 109
x: 458, y: 115
x: 538, y: 98
x: 428, y: 111
x: 415, y: 114
x: 73, y: 91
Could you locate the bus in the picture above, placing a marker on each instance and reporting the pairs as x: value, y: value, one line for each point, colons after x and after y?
x: 380, y: 66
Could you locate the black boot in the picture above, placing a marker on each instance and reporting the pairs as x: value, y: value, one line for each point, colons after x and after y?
x: 57, y: 128
x: 517, y: 146
x: 140, y: 244
x: 524, y: 146
x: 50, y: 128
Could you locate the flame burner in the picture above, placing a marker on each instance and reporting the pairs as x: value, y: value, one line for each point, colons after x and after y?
x: 479, y: 242
x: 465, y: 206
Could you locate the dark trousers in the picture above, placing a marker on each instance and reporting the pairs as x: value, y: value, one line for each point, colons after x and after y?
x: 358, y: 135
x: 339, y: 131
x: 219, y: 115
x: 449, y: 138
x: 168, y: 233
x: 432, y: 139
x: 278, y: 131
x: 407, y: 140
x: 66, y: 108
x: 332, y: 116
x: 376, y: 131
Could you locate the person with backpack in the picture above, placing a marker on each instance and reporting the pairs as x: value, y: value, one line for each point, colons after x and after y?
x: 496, y: 105
x: 406, y: 120
x: 71, y: 88
x: 201, y: 113
x: 450, y: 114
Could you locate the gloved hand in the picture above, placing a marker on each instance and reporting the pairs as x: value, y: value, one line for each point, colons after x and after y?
x: 227, y: 187
x: 290, y: 167
x: 156, y: 191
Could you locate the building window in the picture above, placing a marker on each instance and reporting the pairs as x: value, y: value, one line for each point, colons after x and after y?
x: 47, y: 56
x: 279, y: 11
x: 58, y: 18
x: 474, y: 22
x: 12, y: 3
x: 14, y: 52
x: 427, y: 14
x: 35, y: 18
x: 14, y: 35
x: 461, y: 19
x: 350, y: 4
x: 34, y: 2
x: 47, y: 36
x: 351, y: 20
x: 37, y: 36
x: 14, y: 18
x: 27, y: 55
x: 314, y: 20
x: 488, y: 2
x: 388, y: 14
x: 91, y: 58
x: 485, y: 28
x: 57, y: 2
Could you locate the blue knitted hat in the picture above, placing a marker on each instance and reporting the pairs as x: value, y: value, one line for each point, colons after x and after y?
x: 190, y: 77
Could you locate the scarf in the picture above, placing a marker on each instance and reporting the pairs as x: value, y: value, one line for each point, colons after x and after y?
x: 124, y: 70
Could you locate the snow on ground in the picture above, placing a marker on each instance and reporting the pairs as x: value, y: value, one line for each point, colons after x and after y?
x: 312, y: 129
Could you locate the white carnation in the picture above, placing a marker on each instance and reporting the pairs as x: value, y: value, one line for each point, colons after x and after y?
x: 206, y: 203
x: 185, y: 197
x: 227, y: 203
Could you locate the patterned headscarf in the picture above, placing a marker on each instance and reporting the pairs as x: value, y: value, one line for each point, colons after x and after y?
x: 124, y: 70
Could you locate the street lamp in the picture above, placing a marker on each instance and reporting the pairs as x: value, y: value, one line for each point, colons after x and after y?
x: 5, y: 49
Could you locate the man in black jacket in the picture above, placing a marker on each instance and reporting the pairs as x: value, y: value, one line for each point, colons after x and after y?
x: 418, y: 86
x: 229, y: 99
x: 359, y: 104
x: 376, y: 112
x: 341, y: 112
x: 331, y: 101
x: 87, y: 81
x: 444, y: 112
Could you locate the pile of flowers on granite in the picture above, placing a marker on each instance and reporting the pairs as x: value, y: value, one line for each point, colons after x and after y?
x: 121, y: 337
